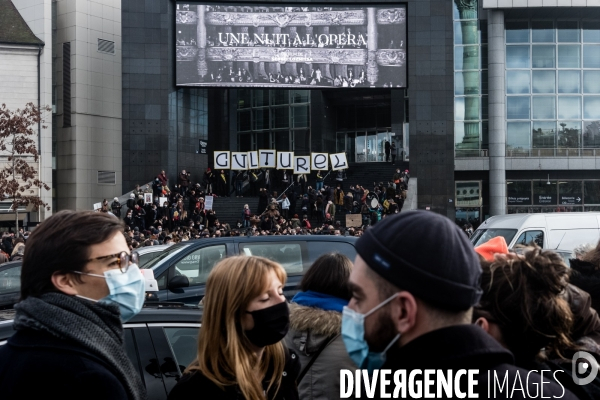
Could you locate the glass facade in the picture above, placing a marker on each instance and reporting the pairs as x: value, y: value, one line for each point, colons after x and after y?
x: 269, y: 119
x: 362, y: 131
x: 470, y: 81
x: 552, y: 87
x: 535, y: 196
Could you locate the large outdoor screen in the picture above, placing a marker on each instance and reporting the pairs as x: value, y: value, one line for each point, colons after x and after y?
x: 224, y: 44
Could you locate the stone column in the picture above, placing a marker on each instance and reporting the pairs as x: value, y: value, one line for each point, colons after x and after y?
x: 260, y: 71
x: 290, y: 67
x: 325, y: 70
x: 372, y: 68
x: 470, y: 36
x: 229, y: 64
x: 245, y: 64
x: 201, y: 33
x: 307, y: 66
x: 275, y: 67
x: 497, y: 117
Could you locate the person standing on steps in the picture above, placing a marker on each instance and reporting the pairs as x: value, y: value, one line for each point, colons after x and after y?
x: 387, y: 150
x: 393, y: 151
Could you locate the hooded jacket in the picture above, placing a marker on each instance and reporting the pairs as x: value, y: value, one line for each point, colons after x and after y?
x: 310, y: 327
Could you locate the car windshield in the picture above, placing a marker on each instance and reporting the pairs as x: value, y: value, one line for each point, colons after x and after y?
x: 169, y: 252
x: 483, y: 235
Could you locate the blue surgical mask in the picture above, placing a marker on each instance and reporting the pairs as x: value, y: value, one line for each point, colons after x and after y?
x: 353, y: 335
x: 126, y: 289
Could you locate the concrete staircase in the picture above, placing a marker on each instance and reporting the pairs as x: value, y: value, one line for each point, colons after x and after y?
x: 364, y: 174
x: 229, y: 209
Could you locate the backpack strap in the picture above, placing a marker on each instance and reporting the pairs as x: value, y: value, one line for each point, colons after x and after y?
x: 326, y: 343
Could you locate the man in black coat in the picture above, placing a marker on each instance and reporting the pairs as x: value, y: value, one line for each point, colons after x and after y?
x: 69, y: 342
x: 411, y: 311
x: 387, y: 148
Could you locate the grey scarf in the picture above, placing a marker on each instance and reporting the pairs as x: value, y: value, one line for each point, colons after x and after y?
x: 95, y: 326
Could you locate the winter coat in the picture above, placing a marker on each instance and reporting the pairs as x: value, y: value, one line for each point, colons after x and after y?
x: 587, y: 277
x: 338, y: 197
x: 195, y: 385
x: 208, y: 177
x: 295, y: 223
x: 184, y: 179
x: 310, y: 327
x: 470, y: 347
x: 62, y: 370
x: 130, y: 203
x: 116, y: 208
x: 163, y: 179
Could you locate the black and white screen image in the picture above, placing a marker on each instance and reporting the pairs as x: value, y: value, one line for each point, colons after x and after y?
x: 221, y: 45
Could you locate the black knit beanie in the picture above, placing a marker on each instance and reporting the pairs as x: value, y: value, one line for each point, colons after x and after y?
x: 427, y: 255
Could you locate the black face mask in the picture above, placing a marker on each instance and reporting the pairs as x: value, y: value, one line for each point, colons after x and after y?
x: 271, y: 324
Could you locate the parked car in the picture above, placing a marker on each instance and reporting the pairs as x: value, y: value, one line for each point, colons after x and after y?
x: 550, y: 231
x: 10, y: 284
x: 149, y: 253
x: 182, y: 269
x: 160, y: 341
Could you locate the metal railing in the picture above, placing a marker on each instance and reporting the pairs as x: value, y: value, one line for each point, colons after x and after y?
x: 470, y: 153
x: 553, y: 152
x: 547, y: 152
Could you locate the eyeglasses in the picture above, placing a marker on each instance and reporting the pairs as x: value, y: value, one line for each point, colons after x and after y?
x: 123, y: 259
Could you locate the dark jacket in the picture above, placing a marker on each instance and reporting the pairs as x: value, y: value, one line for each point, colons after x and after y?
x: 196, y: 385
x: 470, y: 347
x: 311, y: 328
x: 163, y: 179
x: 184, y: 179
x: 587, y: 277
x: 37, y: 365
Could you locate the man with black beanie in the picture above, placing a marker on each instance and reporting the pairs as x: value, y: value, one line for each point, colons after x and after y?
x: 414, y: 283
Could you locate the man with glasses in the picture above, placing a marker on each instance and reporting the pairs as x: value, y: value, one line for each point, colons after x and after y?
x: 79, y: 283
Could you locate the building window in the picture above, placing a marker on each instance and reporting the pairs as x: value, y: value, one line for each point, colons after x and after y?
x: 470, y: 80
x: 552, y: 87
x: 547, y: 195
x: 265, y: 118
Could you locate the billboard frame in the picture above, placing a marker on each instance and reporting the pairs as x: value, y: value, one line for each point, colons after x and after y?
x: 293, y: 86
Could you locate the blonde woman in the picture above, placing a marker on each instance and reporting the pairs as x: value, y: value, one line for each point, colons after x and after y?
x: 240, y: 352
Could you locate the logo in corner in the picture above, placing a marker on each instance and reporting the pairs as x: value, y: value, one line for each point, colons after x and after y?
x: 584, y: 363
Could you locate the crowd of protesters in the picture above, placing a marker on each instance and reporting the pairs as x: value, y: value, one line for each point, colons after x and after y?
x: 286, y: 205
x: 12, y: 246
x: 512, y: 316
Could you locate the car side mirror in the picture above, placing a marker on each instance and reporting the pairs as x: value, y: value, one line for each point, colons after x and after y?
x: 178, y: 282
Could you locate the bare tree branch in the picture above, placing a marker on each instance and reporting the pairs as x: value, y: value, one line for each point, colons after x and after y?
x: 19, y: 181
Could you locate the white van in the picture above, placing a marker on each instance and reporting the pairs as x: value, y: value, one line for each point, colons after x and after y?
x: 554, y: 231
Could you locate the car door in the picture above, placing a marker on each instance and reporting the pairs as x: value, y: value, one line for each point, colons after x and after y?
x: 195, y: 266
x: 141, y: 351
x: 176, y: 347
x: 10, y: 285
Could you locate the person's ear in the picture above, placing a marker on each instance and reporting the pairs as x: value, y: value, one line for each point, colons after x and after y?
x: 404, y: 312
x: 483, y: 324
x: 65, y: 283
